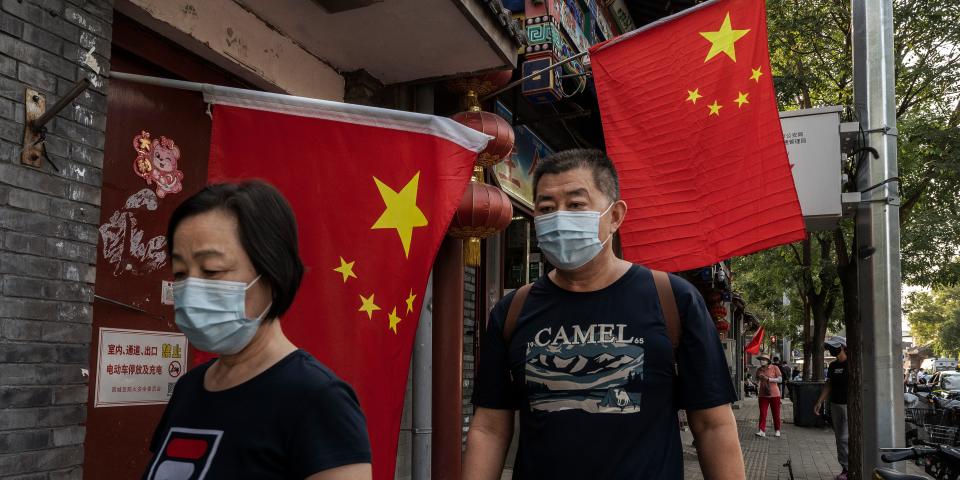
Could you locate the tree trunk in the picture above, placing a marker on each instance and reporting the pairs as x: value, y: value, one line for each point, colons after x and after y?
x: 807, y: 314
x: 849, y: 284
x: 807, y: 341
x: 820, y: 316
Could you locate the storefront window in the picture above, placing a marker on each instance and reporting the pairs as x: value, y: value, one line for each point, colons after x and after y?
x: 523, y: 262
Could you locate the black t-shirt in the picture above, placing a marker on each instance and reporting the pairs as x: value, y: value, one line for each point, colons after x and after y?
x: 593, y: 377
x: 291, y: 421
x: 837, y: 374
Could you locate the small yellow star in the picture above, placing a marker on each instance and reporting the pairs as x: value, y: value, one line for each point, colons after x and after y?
x: 756, y: 74
x: 402, y: 212
x: 723, y: 40
x: 345, y: 269
x: 394, y: 320
x: 741, y: 99
x: 715, y: 108
x: 410, y: 299
x: 693, y: 95
x: 368, y: 306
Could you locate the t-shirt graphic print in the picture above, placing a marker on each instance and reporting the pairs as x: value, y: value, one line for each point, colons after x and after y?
x: 594, y: 369
x: 186, y: 454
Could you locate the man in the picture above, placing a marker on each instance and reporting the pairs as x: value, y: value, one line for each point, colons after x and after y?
x: 784, y: 374
x: 836, y: 390
x: 589, y: 362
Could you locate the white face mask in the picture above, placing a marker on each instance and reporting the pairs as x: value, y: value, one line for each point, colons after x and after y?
x: 212, y: 314
x: 570, y: 239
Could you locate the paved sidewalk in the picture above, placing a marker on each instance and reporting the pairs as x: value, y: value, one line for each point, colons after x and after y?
x: 812, y: 452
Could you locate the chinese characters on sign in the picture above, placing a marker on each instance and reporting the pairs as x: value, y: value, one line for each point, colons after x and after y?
x: 794, y: 138
x: 138, y: 367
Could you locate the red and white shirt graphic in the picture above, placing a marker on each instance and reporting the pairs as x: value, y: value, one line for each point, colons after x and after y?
x: 186, y: 454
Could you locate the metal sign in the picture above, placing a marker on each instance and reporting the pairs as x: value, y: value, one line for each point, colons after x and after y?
x: 138, y: 367
x: 812, y: 137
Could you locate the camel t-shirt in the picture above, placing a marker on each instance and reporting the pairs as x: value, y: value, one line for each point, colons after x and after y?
x: 593, y: 377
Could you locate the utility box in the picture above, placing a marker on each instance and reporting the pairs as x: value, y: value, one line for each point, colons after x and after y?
x: 812, y: 137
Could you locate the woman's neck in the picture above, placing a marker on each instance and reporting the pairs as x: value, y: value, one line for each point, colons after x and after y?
x: 268, y: 346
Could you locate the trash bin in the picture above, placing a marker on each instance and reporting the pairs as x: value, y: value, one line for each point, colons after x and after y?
x: 805, y: 396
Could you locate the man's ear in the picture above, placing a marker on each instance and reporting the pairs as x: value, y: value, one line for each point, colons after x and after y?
x: 618, y: 212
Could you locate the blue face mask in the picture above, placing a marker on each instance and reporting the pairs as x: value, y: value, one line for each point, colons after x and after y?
x: 212, y: 314
x: 570, y: 239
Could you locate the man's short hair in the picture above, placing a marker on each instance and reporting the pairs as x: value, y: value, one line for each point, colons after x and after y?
x: 604, y: 173
x: 267, y: 229
x: 776, y: 359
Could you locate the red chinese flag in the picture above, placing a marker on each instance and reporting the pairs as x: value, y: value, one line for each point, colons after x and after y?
x: 690, y: 120
x: 753, y: 348
x: 373, y: 191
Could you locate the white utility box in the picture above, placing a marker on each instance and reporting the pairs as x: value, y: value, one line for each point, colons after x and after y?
x: 812, y: 137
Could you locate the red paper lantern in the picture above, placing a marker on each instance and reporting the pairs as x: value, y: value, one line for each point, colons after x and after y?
x: 718, y: 312
x: 723, y: 325
x: 494, y: 125
x: 484, y: 210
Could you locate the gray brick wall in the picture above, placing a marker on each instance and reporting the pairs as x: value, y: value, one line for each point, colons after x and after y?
x: 48, y: 232
x: 469, y: 340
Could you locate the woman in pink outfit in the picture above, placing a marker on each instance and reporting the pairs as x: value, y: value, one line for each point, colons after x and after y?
x: 770, y: 379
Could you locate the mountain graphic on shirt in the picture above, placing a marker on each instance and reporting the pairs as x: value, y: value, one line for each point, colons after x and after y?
x: 592, y: 377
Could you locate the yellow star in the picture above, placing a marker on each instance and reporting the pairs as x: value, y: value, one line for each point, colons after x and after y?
x: 368, y: 306
x: 402, y: 212
x: 345, y: 269
x: 394, y: 320
x: 723, y: 40
x: 715, y: 108
x: 410, y: 300
x: 741, y: 99
x: 755, y: 76
x: 693, y: 95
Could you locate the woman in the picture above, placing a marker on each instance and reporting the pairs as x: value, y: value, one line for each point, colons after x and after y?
x: 769, y: 377
x: 264, y: 409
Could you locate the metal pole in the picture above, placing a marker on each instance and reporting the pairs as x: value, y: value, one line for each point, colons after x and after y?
x: 422, y: 391
x: 878, y: 233
x: 423, y: 353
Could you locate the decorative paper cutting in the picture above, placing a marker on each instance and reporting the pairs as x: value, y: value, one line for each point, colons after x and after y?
x: 156, y: 163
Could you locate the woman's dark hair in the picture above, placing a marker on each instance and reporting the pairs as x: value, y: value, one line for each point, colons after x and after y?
x: 267, y: 229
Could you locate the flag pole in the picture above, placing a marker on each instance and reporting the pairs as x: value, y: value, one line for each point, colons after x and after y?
x: 534, y: 74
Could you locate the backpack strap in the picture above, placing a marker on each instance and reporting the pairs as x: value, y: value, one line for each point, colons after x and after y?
x: 513, y: 314
x: 669, y: 305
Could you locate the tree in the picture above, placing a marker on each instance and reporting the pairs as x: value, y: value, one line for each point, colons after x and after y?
x: 811, y: 58
x: 935, y: 319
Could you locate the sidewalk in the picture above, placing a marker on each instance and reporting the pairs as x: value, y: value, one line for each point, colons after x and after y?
x: 812, y: 452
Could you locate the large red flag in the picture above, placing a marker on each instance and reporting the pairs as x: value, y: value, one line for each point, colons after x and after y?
x: 690, y: 119
x: 373, y: 191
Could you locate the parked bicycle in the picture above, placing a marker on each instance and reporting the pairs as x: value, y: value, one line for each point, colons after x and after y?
x: 941, y: 462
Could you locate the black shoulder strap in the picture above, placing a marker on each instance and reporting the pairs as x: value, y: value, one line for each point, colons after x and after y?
x: 669, y: 305
x: 516, y: 305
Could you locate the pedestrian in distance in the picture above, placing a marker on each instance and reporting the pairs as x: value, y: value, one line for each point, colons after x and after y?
x: 263, y: 409
x: 784, y: 374
x: 598, y: 355
x: 770, y: 379
x: 835, y: 389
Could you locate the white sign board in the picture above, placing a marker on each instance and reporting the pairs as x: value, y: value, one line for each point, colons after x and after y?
x: 812, y: 138
x: 138, y: 367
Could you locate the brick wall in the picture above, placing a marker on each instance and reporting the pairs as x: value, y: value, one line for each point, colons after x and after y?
x: 48, y: 232
x: 469, y: 338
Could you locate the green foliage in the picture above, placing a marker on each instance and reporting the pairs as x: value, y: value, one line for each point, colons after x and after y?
x: 935, y: 319
x: 811, y: 56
